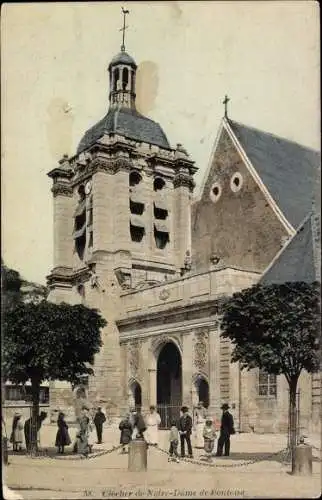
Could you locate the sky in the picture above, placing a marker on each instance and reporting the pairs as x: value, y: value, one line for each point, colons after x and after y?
x: 263, y: 55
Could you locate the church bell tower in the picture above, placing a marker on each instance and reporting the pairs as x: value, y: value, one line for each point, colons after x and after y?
x: 121, y: 214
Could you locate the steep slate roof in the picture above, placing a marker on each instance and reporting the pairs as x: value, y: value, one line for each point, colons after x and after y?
x: 288, y: 170
x: 126, y: 122
x: 297, y: 261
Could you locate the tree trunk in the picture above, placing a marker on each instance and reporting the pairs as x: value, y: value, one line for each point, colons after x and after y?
x: 35, y: 390
x: 293, y: 417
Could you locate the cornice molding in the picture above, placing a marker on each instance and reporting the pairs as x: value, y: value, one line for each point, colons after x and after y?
x: 184, y: 180
x: 171, y: 314
x: 62, y: 189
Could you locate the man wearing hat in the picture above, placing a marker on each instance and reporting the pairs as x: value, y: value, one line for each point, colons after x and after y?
x: 226, y: 429
x: 185, y: 428
x: 99, y: 420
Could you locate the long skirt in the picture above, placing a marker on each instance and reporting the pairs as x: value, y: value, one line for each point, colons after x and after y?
x: 152, y: 434
x: 62, y: 437
x: 82, y: 444
x: 199, y: 441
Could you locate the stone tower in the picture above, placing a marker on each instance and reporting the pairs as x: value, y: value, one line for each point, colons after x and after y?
x: 121, y: 217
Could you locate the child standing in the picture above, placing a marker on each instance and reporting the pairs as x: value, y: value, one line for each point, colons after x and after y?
x: 174, y: 441
x: 209, y: 435
x: 126, y: 429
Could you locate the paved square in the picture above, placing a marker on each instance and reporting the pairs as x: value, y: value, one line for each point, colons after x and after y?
x: 106, y: 476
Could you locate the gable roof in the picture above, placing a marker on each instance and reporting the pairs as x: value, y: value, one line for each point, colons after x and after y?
x: 288, y: 170
x: 297, y: 261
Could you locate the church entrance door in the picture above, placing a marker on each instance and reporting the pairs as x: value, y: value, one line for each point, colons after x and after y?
x: 169, y: 384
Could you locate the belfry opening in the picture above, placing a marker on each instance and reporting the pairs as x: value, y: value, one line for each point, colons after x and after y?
x: 169, y: 383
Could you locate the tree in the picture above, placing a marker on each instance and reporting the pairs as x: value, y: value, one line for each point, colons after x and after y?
x: 11, y: 283
x: 47, y: 341
x: 276, y: 328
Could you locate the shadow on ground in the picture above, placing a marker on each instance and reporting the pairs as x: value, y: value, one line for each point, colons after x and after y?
x: 50, y: 452
x: 281, y: 457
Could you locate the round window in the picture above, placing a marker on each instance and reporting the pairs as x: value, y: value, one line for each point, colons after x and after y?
x: 236, y: 182
x: 215, y: 192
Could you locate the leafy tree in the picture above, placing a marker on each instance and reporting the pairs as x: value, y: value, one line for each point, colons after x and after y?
x: 276, y: 328
x: 47, y: 341
x: 11, y: 284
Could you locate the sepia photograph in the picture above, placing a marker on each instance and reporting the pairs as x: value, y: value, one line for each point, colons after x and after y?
x: 161, y: 250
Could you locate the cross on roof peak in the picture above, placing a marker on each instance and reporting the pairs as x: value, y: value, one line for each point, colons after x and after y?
x: 125, y: 12
x: 225, y: 102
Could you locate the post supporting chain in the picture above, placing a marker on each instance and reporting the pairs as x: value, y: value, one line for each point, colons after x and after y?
x: 261, y: 458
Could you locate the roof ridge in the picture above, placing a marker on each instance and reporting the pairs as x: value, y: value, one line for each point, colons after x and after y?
x: 274, y: 136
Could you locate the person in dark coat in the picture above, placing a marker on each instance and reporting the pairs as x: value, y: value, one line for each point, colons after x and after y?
x: 185, y: 429
x: 27, y: 428
x: 62, y: 436
x: 126, y: 432
x: 139, y: 426
x: 99, y: 420
x: 226, y: 429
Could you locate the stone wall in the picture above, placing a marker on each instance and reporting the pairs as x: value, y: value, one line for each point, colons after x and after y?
x: 239, y: 227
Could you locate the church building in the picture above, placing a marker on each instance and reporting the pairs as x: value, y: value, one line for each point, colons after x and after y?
x: 131, y: 239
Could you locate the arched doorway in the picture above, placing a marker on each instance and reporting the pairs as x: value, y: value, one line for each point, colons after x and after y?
x: 203, y: 391
x: 136, y: 394
x: 169, y: 383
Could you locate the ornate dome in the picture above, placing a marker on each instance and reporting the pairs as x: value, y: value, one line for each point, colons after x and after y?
x: 130, y: 124
x: 122, y: 58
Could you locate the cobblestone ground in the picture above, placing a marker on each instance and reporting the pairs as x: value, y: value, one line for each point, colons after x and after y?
x: 106, y: 475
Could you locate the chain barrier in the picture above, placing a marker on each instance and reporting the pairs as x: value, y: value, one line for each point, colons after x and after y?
x: 44, y: 454
x: 262, y: 458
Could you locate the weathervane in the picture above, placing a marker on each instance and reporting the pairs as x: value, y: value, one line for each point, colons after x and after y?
x: 124, y: 28
x: 225, y: 102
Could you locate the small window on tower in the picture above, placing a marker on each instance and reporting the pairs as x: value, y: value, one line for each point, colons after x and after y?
x: 160, y: 212
x: 90, y: 242
x: 137, y: 233
x: 80, y: 246
x: 116, y: 79
x: 136, y: 207
x: 125, y: 79
x: 81, y: 192
x: 158, y: 184
x: 135, y: 178
x: 161, y: 238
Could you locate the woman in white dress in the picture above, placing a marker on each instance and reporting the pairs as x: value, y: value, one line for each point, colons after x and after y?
x: 200, y: 419
x: 153, y: 420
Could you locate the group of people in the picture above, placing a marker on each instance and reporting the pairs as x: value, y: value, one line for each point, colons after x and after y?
x: 205, y: 433
x: 133, y: 425
x: 22, y: 430
x: 85, y: 438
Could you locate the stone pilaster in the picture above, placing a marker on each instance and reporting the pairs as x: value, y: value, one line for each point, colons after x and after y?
x: 187, y: 369
x: 152, y: 386
x: 121, y: 234
x: 181, y: 223
x: 103, y: 193
x: 64, y: 206
x: 144, y: 376
x: 214, y: 370
x: 234, y: 392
